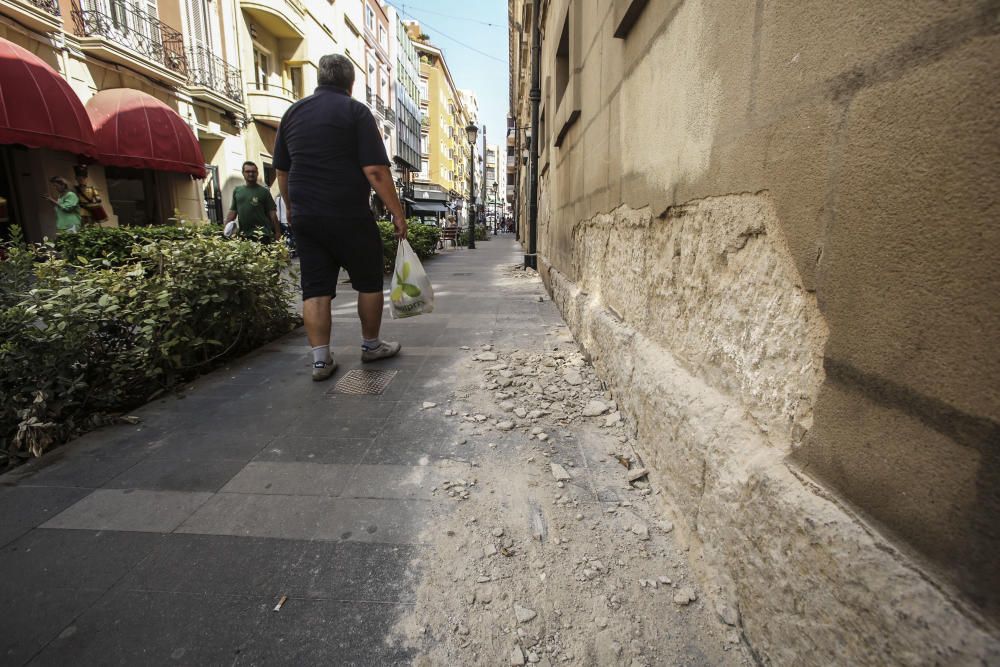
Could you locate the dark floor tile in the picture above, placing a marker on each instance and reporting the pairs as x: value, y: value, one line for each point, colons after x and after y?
x: 24, y: 507
x: 201, y: 441
x: 169, y: 474
x: 60, y: 469
x: 47, y: 559
x: 253, y: 566
x: 315, y: 449
x: 151, y: 628
x: 36, y: 617
x: 335, y: 425
x: 329, y: 632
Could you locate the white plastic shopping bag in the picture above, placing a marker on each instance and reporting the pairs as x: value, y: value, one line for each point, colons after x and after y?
x: 411, y: 292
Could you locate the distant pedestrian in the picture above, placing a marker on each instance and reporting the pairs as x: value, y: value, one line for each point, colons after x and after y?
x: 67, y: 206
x: 253, y: 208
x: 329, y: 155
x: 91, y: 209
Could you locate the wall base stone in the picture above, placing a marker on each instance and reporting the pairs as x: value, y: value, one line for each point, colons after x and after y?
x: 813, y: 584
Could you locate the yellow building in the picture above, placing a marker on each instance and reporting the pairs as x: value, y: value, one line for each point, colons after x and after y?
x: 444, y: 119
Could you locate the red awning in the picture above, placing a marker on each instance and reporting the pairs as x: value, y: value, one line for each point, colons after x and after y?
x: 134, y: 129
x: 37, y: 106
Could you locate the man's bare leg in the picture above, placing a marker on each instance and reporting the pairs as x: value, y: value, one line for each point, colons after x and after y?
x: 370, y: 312
x: 316, y: 313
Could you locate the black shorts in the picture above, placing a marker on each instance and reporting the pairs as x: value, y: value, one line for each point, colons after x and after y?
x: 325, y: 244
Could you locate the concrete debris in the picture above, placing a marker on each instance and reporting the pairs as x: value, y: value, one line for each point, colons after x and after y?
x: 685, y: 596
x: 637, y: 474
x: 489, y: 550
x: 601, y: 622
x: 486, y: 356
x: 521, y: 412
x: 572, y: 378
x: 560, y: 473
x: 506, y: 426
x: 594, y: 409
x: 727, y: 614
x: 641, y: 531
x: 523, y: 614
x: 498, y: 532
x: 428, y: 405
x: 516, y: 657
x: 666, y: 526
x: 613, y: 419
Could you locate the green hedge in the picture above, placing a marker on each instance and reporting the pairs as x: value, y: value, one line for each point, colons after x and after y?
x: 482, y: 234
x: 115, y: 243
x: 423, y: 239
x: 82, y: 337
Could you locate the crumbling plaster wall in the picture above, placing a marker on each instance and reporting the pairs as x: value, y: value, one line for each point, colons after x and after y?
x: 793, y: 206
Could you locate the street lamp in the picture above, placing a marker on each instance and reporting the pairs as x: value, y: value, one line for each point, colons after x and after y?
x: 471, y: 130
x: 496, y: 218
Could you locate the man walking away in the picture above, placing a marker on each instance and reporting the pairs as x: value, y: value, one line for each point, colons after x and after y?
x: 254, y: 207
x: 329, y: 155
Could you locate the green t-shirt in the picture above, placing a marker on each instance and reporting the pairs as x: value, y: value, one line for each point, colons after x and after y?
x: 253, y: 204
x: 68, y: 212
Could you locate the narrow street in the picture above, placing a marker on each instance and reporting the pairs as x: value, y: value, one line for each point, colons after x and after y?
x: 457, y: 518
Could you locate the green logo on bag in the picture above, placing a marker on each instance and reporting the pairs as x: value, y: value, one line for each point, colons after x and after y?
x: 403, y: 287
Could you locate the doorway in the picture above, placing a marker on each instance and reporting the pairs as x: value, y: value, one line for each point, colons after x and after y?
x: 8, y: 199
x: 133, y: 196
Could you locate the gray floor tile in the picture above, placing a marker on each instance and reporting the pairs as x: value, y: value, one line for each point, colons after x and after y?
x: 58, y: 469
x: 159, y: 474
x: 308, y: 518
x: 334, y: 425
x: 146, y: 511
x: 401, y: 481
x: 203, y: 442
x: 297, y: 479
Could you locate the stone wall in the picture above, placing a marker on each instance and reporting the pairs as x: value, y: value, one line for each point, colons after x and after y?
x: 774, y: 225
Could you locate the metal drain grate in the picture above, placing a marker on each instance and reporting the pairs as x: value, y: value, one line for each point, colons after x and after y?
x: 363, y: 381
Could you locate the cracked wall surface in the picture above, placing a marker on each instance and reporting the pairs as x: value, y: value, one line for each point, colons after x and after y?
x: 792, y: 207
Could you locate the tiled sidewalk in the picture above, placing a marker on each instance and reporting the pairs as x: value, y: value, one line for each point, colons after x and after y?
x: 171, y: 542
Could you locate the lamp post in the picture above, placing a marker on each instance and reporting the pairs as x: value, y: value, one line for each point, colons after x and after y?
x: 471, y: 130
x: 496, y: 219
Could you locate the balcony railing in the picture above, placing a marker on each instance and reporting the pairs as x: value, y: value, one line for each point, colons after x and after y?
x: 208, y: 70
x: 390, y: 115
x: 368, y: 95
x: 49, y: 6
x: 380, y: 106
x: 134, y: 29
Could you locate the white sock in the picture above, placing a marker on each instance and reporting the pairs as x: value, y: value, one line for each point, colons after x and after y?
x: 322, y: 353
x: 370, y: 344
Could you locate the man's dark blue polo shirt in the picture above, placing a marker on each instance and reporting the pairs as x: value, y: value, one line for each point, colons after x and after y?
x: 323, y: 142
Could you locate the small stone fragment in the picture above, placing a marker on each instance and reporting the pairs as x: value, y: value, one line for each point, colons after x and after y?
x: 559, y: 473
x: 637, y: 474
x: 521, y: 412
x: 428, y: 405
x: 516, y: 657
x: 543, y: 436
x: 486, y: 356
x: 523, y: 614
x: 506, y: 426
x: 601, y: 621
x: 641, y: 531
x: 489, y: 550
x: 727, y: 614
x: 685, y: 596
x: 572, y: 378
x: 498, y: 532
x: 594, y: 409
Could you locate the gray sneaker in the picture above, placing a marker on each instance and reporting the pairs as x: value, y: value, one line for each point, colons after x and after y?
x: 383, y: 351
x: 322, y: 370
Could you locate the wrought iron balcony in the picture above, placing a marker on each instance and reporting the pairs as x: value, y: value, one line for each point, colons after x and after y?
x: 390, y: 115
x: 132, y: 28
x: 49, y: 6
x: 207, y: 70
x: 380, y: 106
x: 368, y: 95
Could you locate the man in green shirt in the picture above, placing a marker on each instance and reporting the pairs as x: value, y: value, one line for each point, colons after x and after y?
x: 67, y: 206
x: 254, y: 207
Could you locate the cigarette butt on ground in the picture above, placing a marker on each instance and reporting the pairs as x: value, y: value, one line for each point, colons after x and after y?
x: 281, y: 603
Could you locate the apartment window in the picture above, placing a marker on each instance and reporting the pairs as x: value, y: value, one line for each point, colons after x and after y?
x: 381, y: 38
x: 562, y: 63
x: 295, y: 81
x: 370, y: 18
x: 261, y: 67
x: 198, y: 23
x: 626, y: 15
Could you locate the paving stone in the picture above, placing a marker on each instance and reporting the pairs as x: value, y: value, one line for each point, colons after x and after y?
x: 24, y: 507
x: 315, y: 449
x: 177, y: 474
x: 113, y: 509
x: 308, y: 518
x: 299, y: 479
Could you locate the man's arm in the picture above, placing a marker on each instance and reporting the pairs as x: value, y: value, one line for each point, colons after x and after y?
x: 275, y: 224
x: 381, y: 180
x: 232, y: 210
x: 283, y: 189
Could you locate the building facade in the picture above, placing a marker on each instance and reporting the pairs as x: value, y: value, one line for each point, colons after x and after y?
x: 443, y: 136
x: 407, y: 149
x: 774, y: 229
